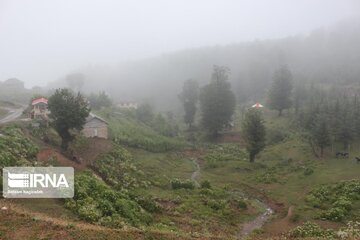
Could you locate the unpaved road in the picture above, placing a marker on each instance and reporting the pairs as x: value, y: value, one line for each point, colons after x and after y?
x: 12, y: 115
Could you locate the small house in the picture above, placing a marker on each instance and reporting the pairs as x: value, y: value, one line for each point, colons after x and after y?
x: 127, y: 105
x: 39, y: 109
x: 95, y: 127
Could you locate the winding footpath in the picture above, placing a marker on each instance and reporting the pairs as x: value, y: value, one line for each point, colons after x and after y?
x: 248, y: 227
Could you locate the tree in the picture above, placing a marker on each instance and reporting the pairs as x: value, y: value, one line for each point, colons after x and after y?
x: 145, y: 113
x: 321, y: 133
x: 217, y: 101
x: 100, y: 100
x: 189, y: 98
x: 280, y: 92
x: 68, y: 111
x: 300, y: 95
x: 253, y: 131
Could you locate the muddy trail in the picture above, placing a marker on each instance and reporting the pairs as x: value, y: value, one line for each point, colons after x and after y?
x: 248, y: 227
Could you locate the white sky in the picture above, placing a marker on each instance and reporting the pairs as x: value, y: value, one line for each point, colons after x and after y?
x: 42, y: 40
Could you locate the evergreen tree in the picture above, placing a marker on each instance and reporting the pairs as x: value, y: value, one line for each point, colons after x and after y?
x: 189, y: 98
x: 321, y: 133
x: 253, y: 131
x: 217, y: 101
x: 100, y: 100
x: 280, y: 92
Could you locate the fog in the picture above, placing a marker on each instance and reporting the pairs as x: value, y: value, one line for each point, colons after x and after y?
x: 42, y: 41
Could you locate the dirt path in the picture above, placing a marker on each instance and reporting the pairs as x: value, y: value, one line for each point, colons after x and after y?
x: 196, y: 174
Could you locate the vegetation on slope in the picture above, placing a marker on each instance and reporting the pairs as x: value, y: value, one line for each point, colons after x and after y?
x: 15, y: 148
x: 130, y: 132
x: 96, y: 202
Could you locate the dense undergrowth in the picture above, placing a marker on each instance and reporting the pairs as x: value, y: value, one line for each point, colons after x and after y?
x: 335, y: 201
x: 15, y: 148
x: 135, y: 134
x: 96, y: 202
x: 117, y: 169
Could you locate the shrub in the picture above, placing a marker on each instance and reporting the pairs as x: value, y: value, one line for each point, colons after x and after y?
x: 241, y: 204
x: 15, y: 148
x: 148, y: 204
x: 94, y: 201
x: 310, y: 229
x: 216, y: 204
x: 308, y: 171
x: 205, y: 184
x: 178, y: 184
x: 116, y: 169
x: 336, y: 200
x: 336, y: 214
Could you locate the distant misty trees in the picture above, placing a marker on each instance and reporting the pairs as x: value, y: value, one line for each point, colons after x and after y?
x: 100, y: 100
x: 280, y: 97
x: 189, y: 97
x: 217, y: 101
x: 330, y: 117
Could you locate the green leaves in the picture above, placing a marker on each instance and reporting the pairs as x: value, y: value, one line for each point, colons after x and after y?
x: 217, y: 101
x: 69, y: 111
x: 94, y: 201
x: 15, y: 148
x: 280, y: 92
x: 253, y: 131
x: 189, y: 98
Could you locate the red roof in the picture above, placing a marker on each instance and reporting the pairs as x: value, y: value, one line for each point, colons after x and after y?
x: 39, y: 100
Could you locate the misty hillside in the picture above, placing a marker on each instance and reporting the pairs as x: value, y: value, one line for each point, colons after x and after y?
x: 326, y: 55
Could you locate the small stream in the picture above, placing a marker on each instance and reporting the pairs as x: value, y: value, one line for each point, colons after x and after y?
x: 248, y: 227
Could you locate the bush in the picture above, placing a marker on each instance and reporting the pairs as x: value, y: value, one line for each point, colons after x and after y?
x: 205, y: 184
x: 178, y: 184
x: 336, y: 200
x: 310, y: 229
x: 216, y: 204
x: 308, y: 171
x: 96, y: 202
x: 149, y: 204
x: 241, y: 204
x: 15, y: 148
x: 336, y: 214
x: 116, y: 169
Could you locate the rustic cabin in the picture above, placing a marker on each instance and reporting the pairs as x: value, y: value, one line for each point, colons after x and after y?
x: 95, y: 127
x: 39, y: 109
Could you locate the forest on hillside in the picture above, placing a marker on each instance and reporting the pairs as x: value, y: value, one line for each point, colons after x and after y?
x: 328, y: 55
